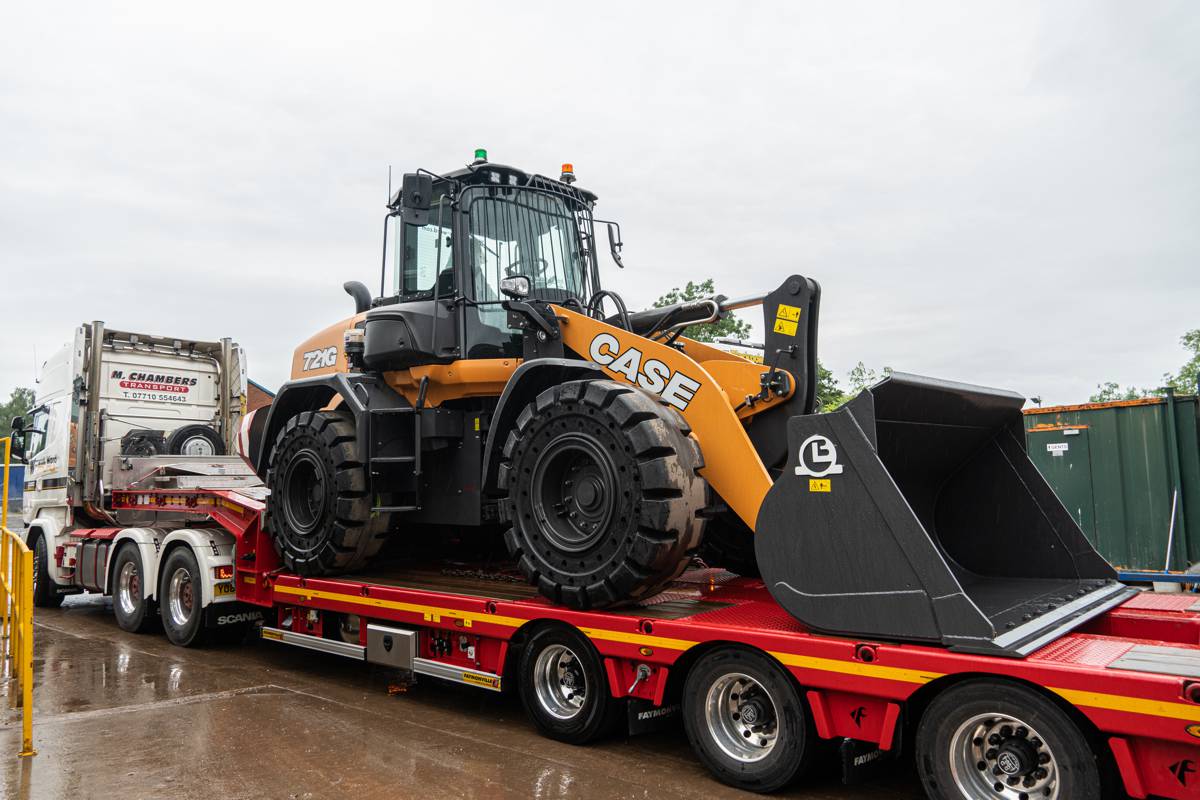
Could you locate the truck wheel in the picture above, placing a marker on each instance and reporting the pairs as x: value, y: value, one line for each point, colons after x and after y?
x: 195, y: 440
x: 603, y: 493
x: 564, y: 687
x: 132, y: 609
x: 729, y: 543
x: 45, y: 593
x: 992, y: 740
x: 747, y: 721
x: 180, y: 598
x: 318, y: 511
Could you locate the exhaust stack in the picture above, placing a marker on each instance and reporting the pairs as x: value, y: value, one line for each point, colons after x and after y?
x: 914, y: 513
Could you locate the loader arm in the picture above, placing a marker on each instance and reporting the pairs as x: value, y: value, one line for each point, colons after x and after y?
x: 738, y: 474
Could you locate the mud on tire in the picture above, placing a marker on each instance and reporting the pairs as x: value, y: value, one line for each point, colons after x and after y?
x: 319, y: 511
x: 603, y: 493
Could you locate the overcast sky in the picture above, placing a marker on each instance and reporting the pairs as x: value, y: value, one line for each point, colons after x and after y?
x: 1005, y: 194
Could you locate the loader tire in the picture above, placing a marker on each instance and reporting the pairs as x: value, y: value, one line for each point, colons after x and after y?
x: 729, y: 543
x: 603, y: 494
x: 319, y: 511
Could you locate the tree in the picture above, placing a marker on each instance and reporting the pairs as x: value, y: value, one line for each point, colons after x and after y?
x: 18, y: 405
x: 1110, y: 391
x: 1186, y: 379
x: 729, y: 328
x: 829, y: 394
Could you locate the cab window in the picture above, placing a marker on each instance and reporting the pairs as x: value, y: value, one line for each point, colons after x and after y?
x: 38, y: 431
x: 427, y: 257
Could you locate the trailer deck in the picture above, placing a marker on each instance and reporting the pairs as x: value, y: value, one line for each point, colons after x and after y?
x: 1131, y: 675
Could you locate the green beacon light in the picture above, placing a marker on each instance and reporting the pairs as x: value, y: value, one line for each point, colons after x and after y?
x: 480, y: 155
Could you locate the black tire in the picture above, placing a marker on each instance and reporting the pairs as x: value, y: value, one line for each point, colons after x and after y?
x: 45, y: 592
x: 955, y: 737
x: 729, y: 543
x: 318, y: 511
x: 578, y: 707
x: 143, y: 444
x: 739, y: 681
x: 195, y: 440
x: 134, y: 611
x: 634, y: 529
x: 180, y: 599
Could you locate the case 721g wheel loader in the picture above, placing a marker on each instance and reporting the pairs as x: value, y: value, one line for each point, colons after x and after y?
x: 490, y: 388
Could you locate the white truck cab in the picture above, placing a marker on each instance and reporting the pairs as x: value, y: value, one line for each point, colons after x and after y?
x: 117, y: 410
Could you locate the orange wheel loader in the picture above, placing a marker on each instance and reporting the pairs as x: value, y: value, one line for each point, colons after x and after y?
x: 495, y: 385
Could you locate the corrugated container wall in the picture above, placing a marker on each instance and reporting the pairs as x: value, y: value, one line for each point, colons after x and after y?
x: 1117, y: 467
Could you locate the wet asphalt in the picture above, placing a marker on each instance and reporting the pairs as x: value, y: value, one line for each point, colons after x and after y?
x: 119, y: 715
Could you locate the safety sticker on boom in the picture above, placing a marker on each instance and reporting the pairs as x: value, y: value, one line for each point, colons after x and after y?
x: 786, y: 319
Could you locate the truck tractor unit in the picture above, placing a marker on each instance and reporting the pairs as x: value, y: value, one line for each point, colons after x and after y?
x: 118, y: 410
x: 496, y: 384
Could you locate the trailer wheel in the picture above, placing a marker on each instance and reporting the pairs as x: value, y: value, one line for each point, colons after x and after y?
x: 746, y: 720
x: 180, y: 599
x: 603, y: 493
x: 45, y: 593
x: 993, y: 740
x: 318, y: 511
x: 133, y: 610
x: 195, y: 440
x: 564, y: 687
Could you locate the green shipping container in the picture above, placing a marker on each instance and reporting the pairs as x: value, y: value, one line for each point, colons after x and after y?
x: 1117, y: 468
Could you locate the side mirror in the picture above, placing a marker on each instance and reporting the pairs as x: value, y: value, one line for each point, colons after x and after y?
x: 416, y: 197
x: 16, y: 447
x: 615, y: 244
x: 18, y: 425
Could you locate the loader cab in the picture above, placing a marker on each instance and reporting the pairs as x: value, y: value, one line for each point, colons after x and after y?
x: 452, y: 240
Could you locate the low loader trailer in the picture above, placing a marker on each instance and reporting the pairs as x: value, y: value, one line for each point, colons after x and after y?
x: 1112, y: 705
x: 682, y: 530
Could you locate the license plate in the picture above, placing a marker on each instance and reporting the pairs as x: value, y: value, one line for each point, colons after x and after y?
x: 223, y: 589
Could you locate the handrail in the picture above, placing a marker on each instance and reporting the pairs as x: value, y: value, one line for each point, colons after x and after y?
x: 16, y: 612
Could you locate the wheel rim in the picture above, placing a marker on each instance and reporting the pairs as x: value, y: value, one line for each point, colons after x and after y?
x: 129, y: 588
x: 560, y: 681
x: 197, y: 446
x: 995, y: 756
x: 180, y: 600
x: 304, y: 492
x: 742, y: 718
x: 574, y: 489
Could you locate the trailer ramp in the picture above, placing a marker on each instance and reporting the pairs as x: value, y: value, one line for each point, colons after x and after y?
x: 914, y: 514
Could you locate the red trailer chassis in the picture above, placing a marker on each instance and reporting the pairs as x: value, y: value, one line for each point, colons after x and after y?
x: 1149, y: 721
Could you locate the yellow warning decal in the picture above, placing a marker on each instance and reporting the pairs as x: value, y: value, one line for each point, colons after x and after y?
x: 787, y: 312
x: 269, y: 634
x: 819, y: 485
x: 786, y: 319
x: 481, y: 680
x: 477, y: 424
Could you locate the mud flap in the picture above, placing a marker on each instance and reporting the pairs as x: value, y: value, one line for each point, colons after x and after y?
x: 914, y: 514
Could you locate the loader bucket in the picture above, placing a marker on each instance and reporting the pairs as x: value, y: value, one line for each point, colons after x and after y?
x: 913, y: 513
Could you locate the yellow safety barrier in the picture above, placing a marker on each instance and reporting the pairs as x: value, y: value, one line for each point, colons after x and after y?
x: 16, y: 603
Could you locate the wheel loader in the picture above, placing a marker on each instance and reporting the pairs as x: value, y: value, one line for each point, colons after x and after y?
x: 496, y: 384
